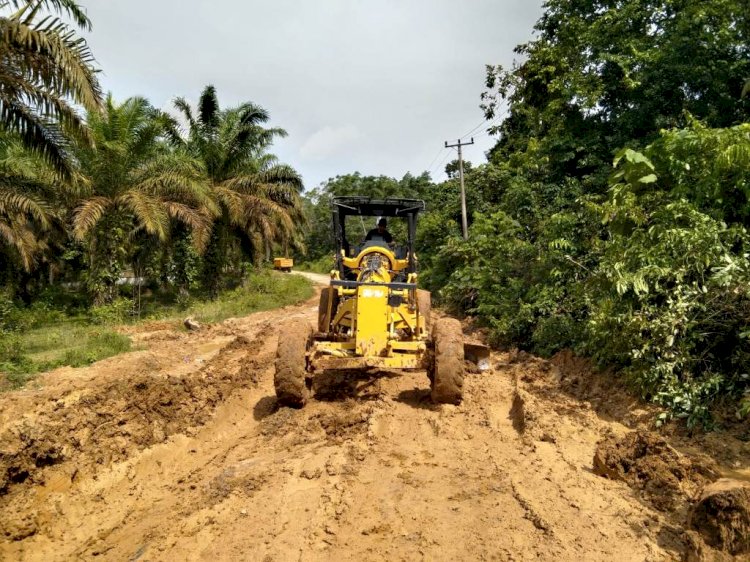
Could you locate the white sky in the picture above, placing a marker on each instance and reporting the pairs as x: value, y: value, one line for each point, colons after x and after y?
x: 374, y: 86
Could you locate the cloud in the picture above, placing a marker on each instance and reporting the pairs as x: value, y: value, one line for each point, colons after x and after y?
x: 328, y: 141
x: 392, y: 80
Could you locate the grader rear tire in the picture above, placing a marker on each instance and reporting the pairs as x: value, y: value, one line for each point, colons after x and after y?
x: 447, y: 380
x: 424, y: 304
x: 289, y: 380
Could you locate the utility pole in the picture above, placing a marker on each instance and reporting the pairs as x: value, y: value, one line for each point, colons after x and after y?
x: 464, y: 220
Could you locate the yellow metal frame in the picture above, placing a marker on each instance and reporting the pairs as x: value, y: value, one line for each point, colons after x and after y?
x: 374, y: 325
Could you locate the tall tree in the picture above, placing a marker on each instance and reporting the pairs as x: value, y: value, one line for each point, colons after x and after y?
x: 319, y: 237
x: 603, y: 74
x: 650, y: 279
x: 259, y: 198
x: 27, y: 202
x: 135, y: 184
x: 45, y: 67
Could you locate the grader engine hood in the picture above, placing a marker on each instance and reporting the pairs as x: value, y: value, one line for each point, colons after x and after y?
x: 375, y: 267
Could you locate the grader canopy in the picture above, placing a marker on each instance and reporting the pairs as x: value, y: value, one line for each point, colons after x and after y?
x: 343, y: 207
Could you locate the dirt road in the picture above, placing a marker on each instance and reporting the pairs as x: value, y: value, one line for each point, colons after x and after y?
x: 317, y: 278
x: 178, y: 452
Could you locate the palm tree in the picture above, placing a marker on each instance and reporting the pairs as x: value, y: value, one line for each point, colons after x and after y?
x: 138, y: 185
x: 258, y: 197
x: 44, y: 68
x: 27, y: 200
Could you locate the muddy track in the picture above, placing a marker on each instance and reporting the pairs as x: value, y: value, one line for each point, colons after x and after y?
x: 179, y: 452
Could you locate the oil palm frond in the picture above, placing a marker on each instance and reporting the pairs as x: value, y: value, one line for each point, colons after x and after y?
x: 46, y: 69
x: 88, y: 214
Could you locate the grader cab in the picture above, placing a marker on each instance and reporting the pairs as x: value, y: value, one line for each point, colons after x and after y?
x: 372, y: 315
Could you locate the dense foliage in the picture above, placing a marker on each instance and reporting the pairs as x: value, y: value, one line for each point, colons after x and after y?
x: 616, y: 199
x: 317, y: 202
x: 257, y: 197
x: 44, y: 66
x: 611, y: 215
x: 83, y: 201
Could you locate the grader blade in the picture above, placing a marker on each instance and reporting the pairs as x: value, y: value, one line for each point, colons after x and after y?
x: 478, y: 354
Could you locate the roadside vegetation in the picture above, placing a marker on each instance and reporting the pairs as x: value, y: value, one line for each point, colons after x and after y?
x: 59, y: 330
x: 321, y: 265
x: 610, y: 217
x: 117, y: 212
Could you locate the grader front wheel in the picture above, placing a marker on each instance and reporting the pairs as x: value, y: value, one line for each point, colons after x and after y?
x: 289, y: 380
x: 447, y: 373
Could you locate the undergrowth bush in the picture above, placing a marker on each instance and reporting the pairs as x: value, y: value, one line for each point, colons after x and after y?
x: 100, y: 345
x: 117, y: 312
x: 323, y: 264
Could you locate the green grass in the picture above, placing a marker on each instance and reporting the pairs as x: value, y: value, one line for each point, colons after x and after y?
x: 262, y: 291
x: 83, y: 338
x: 71, y: 342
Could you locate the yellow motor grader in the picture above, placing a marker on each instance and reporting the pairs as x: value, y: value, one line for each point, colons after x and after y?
x: 372, y: 315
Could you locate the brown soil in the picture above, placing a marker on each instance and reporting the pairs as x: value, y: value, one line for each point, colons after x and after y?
x: 646, y: 462
x: 722, y: 516
x: 180, y: 452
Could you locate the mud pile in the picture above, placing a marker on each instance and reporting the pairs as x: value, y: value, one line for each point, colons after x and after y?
x: 709, y: 521
x: 722, y: 517
x: 647, y: 463
x: 106, y: 424
x: 180, y: 452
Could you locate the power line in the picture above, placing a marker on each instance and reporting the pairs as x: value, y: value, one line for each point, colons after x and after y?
x: 440, y: 164
x: 475, y: 128
x: 488, y: 122
x: 429, y: 167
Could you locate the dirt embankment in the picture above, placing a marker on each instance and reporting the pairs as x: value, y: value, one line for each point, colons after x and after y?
x: 180, y: 452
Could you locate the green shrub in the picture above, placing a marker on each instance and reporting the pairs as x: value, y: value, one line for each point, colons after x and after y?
x: 323, y: 265
x: 11, y: 315
x: 11, y: 349
x: 183, y: 300
x: 653, y: 279
x: 554, y: 333
x: 117, y: 312
x: 674, y: 281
